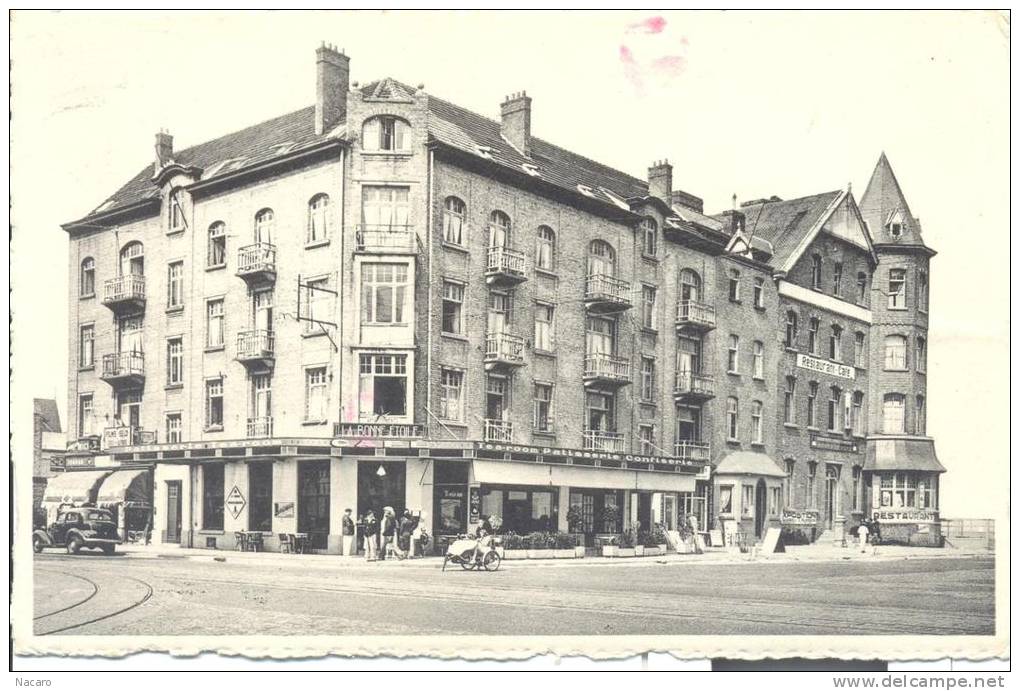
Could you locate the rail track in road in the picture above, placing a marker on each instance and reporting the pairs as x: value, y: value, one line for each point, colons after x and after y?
x: 69, y: 611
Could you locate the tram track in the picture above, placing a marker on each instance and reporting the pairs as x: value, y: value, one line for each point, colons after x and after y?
x: 148, y: 591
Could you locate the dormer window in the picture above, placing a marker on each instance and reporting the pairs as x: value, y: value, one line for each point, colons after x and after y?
x: 586, y: 191
x: 896, y: 229
x: 386, y: 133
x: 176, y: 213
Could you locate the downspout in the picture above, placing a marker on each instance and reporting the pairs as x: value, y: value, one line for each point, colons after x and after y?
x: 338, y: 388
x: 428, y: 243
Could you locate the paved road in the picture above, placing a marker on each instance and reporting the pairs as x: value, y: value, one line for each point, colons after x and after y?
x: 94, y: 594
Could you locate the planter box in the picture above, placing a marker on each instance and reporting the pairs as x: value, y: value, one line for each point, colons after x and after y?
x: 579, y: 552
x: 515, y: 554
x: 652, y: 552
x: 563, y: 553
x: 663, y: 549
x: 540, y: 554
x: 639, y: 550
x: 614, y: 551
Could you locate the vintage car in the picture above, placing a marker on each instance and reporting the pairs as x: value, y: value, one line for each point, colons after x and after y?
x: 78, y: 527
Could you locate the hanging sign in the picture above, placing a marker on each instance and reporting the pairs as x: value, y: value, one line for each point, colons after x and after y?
x: 475, y: 504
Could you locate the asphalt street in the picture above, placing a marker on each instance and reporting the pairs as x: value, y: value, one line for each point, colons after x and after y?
x: 96, y: 594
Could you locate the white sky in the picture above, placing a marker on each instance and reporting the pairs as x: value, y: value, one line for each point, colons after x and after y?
x: 748, y: 103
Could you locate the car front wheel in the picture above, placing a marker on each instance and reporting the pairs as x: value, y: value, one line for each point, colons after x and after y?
x: 37, y: 544
x: 74, y: 545
x: 108, y: 549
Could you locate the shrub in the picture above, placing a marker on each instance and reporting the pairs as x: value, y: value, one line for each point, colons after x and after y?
x: 537, y: 540
x: 657, y: 536
x: 564, y: 540
x: 575, y: 521
x: 624, y: 540
x: 513, y: 541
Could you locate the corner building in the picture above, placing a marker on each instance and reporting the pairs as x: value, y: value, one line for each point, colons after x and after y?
x: 387, y: 300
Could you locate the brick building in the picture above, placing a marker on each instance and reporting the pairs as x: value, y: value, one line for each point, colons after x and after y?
x: 388, y: 300
x: 47, y: 446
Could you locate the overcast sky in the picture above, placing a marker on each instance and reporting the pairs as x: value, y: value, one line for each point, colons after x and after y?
x: 740, y: 103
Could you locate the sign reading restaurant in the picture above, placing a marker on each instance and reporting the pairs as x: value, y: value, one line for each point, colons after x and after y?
x: 825, y: 366
x: 905, y: 516
x: 365, y: 430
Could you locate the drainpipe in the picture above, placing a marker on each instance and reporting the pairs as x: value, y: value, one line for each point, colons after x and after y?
x: 428, y: 243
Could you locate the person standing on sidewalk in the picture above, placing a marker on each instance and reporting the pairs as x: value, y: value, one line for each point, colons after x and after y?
x: 404, y: 536
x: 387, y: 533
x: 371, y: 535
x: 862, y: 536
x: 347, y: 531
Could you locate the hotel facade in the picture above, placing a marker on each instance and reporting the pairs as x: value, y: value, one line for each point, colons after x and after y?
x: 387, y: 300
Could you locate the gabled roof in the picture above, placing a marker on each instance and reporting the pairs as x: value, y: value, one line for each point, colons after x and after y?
x: 786, y: 224
x: 884, y: 202
x: 46, y: 408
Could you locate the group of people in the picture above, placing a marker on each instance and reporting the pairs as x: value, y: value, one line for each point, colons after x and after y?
x: 392, y: 536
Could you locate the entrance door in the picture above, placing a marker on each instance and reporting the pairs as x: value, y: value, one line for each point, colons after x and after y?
x: 173, y: 511
x: 377, y: 490
x: 313, y: 502
x: 644, y: 510
x: 760, y: 497
x: 831, y: 496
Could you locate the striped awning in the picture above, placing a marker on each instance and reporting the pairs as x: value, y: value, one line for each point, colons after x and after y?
x: 903, y: 453
x: 127, y: 488
x: 73, y: 487
x: 549, y: 475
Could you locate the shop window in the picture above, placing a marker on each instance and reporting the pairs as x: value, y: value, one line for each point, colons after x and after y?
x: 175, y: 361
x: 758, y: 360
x: 759, y: 293
x: 382, y: 385
x: 858, y: 349
x: 726, y: 499
x: 774, y: 499
x: 897, y: 289
x: 816, y: 271
x: 648, y: 295
x: 216, y: 252
x: 747, y: 501
x: 647, y: 379
x: 453, y: 308
x: 384, y: 291
x: 87, y: 346
x: 731, y: 418
x: 454, y: 215
x: 264, y: 222
x: 733, y: 355
x: 756, y: 422
x: 87, y: 278
x: 893, y: 413
x: 175, y: 286
x: 318, y: 219
x: 260, y: 493
x: 790, y: 341
x: 214, y: 404
x: 451, y: 394
x: 734, y: 286
x: 544, y: 333
x: 214, y: 323
x: 522, y: 509
x: 789, y: 405
x: 812, y: 335
x: 545, y: 249
x: 895, y: 352
x: 906, y: 490
x: 386, y: 133
x: 650, y: 236
x: 543, y: 408
x: 212, y: 496
x: 316, y: 394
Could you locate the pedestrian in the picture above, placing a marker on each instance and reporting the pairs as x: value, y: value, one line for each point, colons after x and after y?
x: 862, y: 536
x: 387, y: 533
x: 404, y: 535
x: 347, y: 530
x: 417, y: 544
x: 371, y: 535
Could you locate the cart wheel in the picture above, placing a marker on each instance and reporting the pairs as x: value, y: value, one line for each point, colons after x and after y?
x: 467, y: 564
x: 491, y: 561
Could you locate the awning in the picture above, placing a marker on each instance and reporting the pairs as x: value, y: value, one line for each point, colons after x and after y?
x: 902, y: 454
x: 549, y: 475
x: 127, y: 488
x: 73, y: 487
x: 749, y: 463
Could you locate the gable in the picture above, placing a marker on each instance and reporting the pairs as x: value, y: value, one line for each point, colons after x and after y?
x: 845, y: 223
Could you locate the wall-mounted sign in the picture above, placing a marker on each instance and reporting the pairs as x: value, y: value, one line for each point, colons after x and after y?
x: 825, y: 366
x: 79, y: 462
x: 235, y: 502
x: 283, y: 509
x: 475, y: 504
x: 833, y: 444
x: 905, y: 515
x: 799, y: 517
x: 85, y: 444
x: 359, y: 430
x: 521, y: 453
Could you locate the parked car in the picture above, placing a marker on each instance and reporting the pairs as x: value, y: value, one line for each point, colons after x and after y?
x: 78, y: 527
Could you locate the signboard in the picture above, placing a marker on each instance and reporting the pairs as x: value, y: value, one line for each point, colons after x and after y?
x: 79, y: 462
x: 825, y: 366
x: 833, y: 444
x: 283, y: 509
x: 715, y: 537
x: 235, y: 502
x: 363, y: 430
x: 85, y: 444
x: 118, y: 436
x: 772, y: 542
x: 669, y: 462
x: 799, y: 517
x: 475, y: 504
x: 905, y: 516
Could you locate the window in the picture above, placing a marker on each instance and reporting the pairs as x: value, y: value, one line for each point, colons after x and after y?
x: 600, y: 336
x: 87, y: 346
x: 454, y: 213
x: 747, y: 500
x: 812, y: 397
x: 759, y: 293
x: 648, y: 294
x: 647, y: 379
x: 601, y: 259
x: 731, y: 418
x: 382, y: 385
x: 87, y: 278
x: 260, y: 490
x: 386, y: 133
x: 895, y: 352
x: 545, y: 249
x: 646, y: 438
x: 862, y: 288
x: 264, y: 221
x: 858, y: 349
x: 260, y: 404
x: 920, y: 359
x: 500, y: 312
x: 385, y: 208
x: 733, y: 355
x: 897, y: 289
x: 212, y: 496
x: 790, y: 465
x: 214, y: 323
x: 451, y: 394
x: 543, y: 408
x: 85, y: 415
x: 383, y: 293
x: 132, y: 259
x: 176, y: 213
x: 690, y: 286
x: 734, y: 286
x: 893, y: 413
x: 922, y: 291
x: 812, y: 476
x: 774, y: 499
x: 758, y: 360
x: 316, y: 394
x: 214, y: 403
x: 175, y: 361
x: 789, y: 407
x: 175, y: 285
x: 855, y: 496
x: 835, y: 343
x: 173, y: 428
x: 725, y: 498
x: 318, y: 219
x: 791, y: 330
x: 812, y: 335
x: 317, y: 305
x: 453, y: 308
x: 544, y: 327
x: 650, y: 236
x: 919, y: 416
x: 216, y: 253
x: 832, y: 409
x: 129, y: 408
x: 499, y: 229
x: 756, y: 422
x: 856, y: 423
x: 816, y: 271
x: 837, y: 279
x: 895, y: 228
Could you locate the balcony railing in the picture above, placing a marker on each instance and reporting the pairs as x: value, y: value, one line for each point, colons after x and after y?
x: 256, y: 344
x: 693, y: 385
x: 257, y: 260
x: 600, y: 440
x: 259, y: 427
x: 692, y: 450
x: 127, y: 290
x: 503, y: 263
x: 498, y: 430
x: 692, y: 313
x: 503, y: 348
x: 606, y: 368
x: 606, y: 293
x: 393, y: 239
x: 125, y: 366
x: 126, y: 435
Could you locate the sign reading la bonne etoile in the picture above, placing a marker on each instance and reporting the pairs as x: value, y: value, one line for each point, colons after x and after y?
x: 825, y: 366
x: 366, y: 430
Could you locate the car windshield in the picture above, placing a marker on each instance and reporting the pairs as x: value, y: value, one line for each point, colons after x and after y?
x: 97, y: 516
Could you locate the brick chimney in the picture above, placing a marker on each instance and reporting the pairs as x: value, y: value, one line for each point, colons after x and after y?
x: 660, y: 180
x: 164, y: 149
x: 688, y: 200
x: 332, y: 80
x: 515, y: 122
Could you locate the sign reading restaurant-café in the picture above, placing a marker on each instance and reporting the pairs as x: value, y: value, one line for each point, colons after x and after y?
x: 824, y: 366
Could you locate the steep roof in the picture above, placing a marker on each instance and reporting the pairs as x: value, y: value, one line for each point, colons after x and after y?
x: 785, y: 224
x: 883, y: 204
x: 46, y: 408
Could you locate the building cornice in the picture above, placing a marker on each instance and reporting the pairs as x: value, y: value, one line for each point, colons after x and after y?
x: 823, y: 301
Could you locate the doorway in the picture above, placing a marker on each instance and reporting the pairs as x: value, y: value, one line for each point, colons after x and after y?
x: 644, y: 511
x: 173, y: 511
x: 831, y: 495
x: 313, y: 502
x: 381, y: 484
x: 760, y: 497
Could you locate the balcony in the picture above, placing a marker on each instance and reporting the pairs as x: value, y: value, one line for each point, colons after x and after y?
x: 256, y: 347
x: 497, y: 430
x: 126, y: 435
x: 505, y: 266
x: 385, y: 239
x: 125, y: 293
x: 257, y: 263
x: 692, y: 386
x: 503, y: 349
x: 601, y: 368
x: 691, y: 314
x: 600, y: 440
x: 604, y: 293
x: 260, y: 427
x: 692, y: 450
x: 124, y: 369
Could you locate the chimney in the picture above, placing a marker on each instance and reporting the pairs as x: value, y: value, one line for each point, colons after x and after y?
x: 735, y: 220
x: 332, y: 80
x: 164, y: 149
x: 688, y: 200
x: 660, y: 180
x: 515, y: 122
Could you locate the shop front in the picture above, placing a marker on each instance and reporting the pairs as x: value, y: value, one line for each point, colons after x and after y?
x: 902, y: 479
x: 128, y: 495
x: 71, y: 488
x: 748, y: 487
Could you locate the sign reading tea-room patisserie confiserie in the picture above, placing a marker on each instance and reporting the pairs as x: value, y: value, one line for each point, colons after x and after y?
x: 825, y: 366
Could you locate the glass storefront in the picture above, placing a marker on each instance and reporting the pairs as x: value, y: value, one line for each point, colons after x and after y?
x: 522, y: 509
x: 601, y: 510
x: 450, y: 497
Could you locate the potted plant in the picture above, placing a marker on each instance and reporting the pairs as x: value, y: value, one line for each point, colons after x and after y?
x: 621, y: 545
x: 563, y: 545
x: 639, y: 539
x: 513, y: 546
x: 687, y: 543
x: 538, y: 545
x: 658, y: 537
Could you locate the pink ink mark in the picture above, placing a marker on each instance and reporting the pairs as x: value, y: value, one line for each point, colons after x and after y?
x: 669, y: 65
x: 652, y: 25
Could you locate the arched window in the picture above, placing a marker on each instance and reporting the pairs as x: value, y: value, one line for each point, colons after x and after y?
x: 318, y: 208
x: 386, y: 133
x: 217, y: 252
x: 893, y: 413
x: 862, y: 288
x: 732, y: 428
x: 545, y: 248
x: 87, y: 277
x: 132, y: 259
x: 499, y: 229
x: 920, y: 359
x: 791, y: 330
x: 454, y: 213
x: 601, y: 259
x: 895, y: 352
x: 789, y: 398
x: 690, y: 286
x: 649, y: 236
x: 836, y: 343
x: 264, y: 221
x: 175, y: 217
x: 816, y: 271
